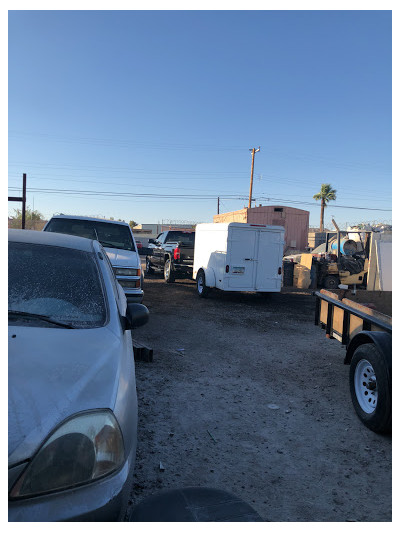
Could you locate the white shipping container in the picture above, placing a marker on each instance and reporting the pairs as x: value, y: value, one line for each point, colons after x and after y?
x: 238, y: 257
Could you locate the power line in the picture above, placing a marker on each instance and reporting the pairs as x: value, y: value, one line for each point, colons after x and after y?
x: 184, y: 146
x: 181, y: 196
x: 385, y: 198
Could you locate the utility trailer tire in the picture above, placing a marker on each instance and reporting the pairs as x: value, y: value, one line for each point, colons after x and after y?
x: 149, y: 269
x: 370, y: 388
x: 168, y: 272
x: 202, y: 289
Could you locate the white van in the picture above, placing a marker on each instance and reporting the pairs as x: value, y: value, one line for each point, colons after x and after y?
x: 238, y: 257
x: 117, y: 240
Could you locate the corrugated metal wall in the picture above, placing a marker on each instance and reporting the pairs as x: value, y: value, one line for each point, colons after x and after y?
x: 295, y: 222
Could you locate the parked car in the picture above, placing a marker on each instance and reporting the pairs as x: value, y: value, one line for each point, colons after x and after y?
x: 117, y: 240
x: 171, y: 253
x: 72, y: 424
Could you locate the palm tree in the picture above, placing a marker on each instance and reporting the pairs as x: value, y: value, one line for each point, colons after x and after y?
x: 326, y: 194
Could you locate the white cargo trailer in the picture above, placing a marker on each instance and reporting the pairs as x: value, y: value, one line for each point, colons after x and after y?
x: 238, y: 257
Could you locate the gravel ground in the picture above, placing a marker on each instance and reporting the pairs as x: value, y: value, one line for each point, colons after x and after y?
x: 246, y: 394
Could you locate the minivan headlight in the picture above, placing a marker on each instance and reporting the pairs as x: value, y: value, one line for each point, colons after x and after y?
x: 127, y: 271
x: 83, y: 449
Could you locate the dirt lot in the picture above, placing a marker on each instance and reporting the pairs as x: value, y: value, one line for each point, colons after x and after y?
x: 245, y: 394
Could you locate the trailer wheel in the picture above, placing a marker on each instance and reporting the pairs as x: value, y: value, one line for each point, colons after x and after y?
x: 331, y: 282
x: 168, y: 273
x: 370, y: 388
x: 149, y: 268
x: 202, y: 289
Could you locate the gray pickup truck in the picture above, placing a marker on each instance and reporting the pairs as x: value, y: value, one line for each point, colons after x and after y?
x: 172, y: 253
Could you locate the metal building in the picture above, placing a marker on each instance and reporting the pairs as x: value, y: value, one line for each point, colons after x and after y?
x: 295, y: 222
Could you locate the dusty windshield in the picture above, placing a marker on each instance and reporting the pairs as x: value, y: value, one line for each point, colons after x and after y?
x: 109, y: 235
x: 60, y: 283
x: 182, y: 236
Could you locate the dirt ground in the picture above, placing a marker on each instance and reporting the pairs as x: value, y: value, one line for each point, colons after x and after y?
x: 246, y: 394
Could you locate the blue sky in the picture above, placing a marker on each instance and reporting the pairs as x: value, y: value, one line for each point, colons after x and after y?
x: 107, y: 105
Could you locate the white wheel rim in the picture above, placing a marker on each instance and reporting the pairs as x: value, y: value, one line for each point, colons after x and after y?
x: 200, y: 284
x: 167, y: 269
x: 365, y: 386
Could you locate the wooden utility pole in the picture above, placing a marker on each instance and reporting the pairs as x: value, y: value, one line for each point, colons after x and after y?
x: 253, y: 152
x: 218, y: 207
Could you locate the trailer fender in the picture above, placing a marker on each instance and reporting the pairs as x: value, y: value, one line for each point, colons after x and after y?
x: 210, y: 276
x: 382, y: 342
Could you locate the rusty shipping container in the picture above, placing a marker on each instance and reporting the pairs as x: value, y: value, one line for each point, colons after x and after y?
x: 295, y: 221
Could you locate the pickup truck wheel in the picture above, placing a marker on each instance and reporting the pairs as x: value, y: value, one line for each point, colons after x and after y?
x: 168, y: 273
x: 202, y: 289
x: 149, y: 268
x: 370, y: 388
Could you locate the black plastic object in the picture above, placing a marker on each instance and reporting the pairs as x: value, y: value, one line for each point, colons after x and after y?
x: 194, y: 504
x: 288, y: 270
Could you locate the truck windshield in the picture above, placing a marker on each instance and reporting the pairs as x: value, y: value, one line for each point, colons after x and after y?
x: 183, y: 236
x: 62, y: 284
x: 109, y: 235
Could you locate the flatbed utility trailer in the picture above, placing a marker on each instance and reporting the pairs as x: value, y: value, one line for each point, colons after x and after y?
x: 354, y: 320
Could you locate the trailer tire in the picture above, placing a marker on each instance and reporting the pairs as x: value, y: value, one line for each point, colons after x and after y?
x: 370, y: 388
x: 202, y: 289
x: 169, y: 275
x: 331, y: 282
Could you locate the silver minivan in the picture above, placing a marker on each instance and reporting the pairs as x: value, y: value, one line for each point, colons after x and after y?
x: 72, y: 403
x: 119, y: 243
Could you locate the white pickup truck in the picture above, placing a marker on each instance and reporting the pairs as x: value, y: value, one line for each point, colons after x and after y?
x: 117, y: 240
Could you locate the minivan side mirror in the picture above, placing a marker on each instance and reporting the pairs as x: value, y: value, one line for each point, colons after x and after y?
x: 136, y: 315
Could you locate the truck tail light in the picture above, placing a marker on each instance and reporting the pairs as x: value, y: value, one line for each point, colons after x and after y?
x: 227, y: 269
x: 177, y: 253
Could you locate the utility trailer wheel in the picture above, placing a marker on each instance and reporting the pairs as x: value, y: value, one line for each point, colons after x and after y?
x: 370, y: 388
x: 168, y: 273
x: 149, y: 268
x: 202, y: 289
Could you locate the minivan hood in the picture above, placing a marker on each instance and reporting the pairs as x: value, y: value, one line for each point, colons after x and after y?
x: 122, y: 258
x: 54, y: 373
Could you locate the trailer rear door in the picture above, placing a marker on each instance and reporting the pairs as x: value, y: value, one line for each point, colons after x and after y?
x: 241, y: 258
x: 269, y: 254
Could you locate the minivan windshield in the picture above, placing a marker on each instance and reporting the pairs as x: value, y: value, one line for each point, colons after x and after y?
x: 59, y: 284
x: 108, y: 234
